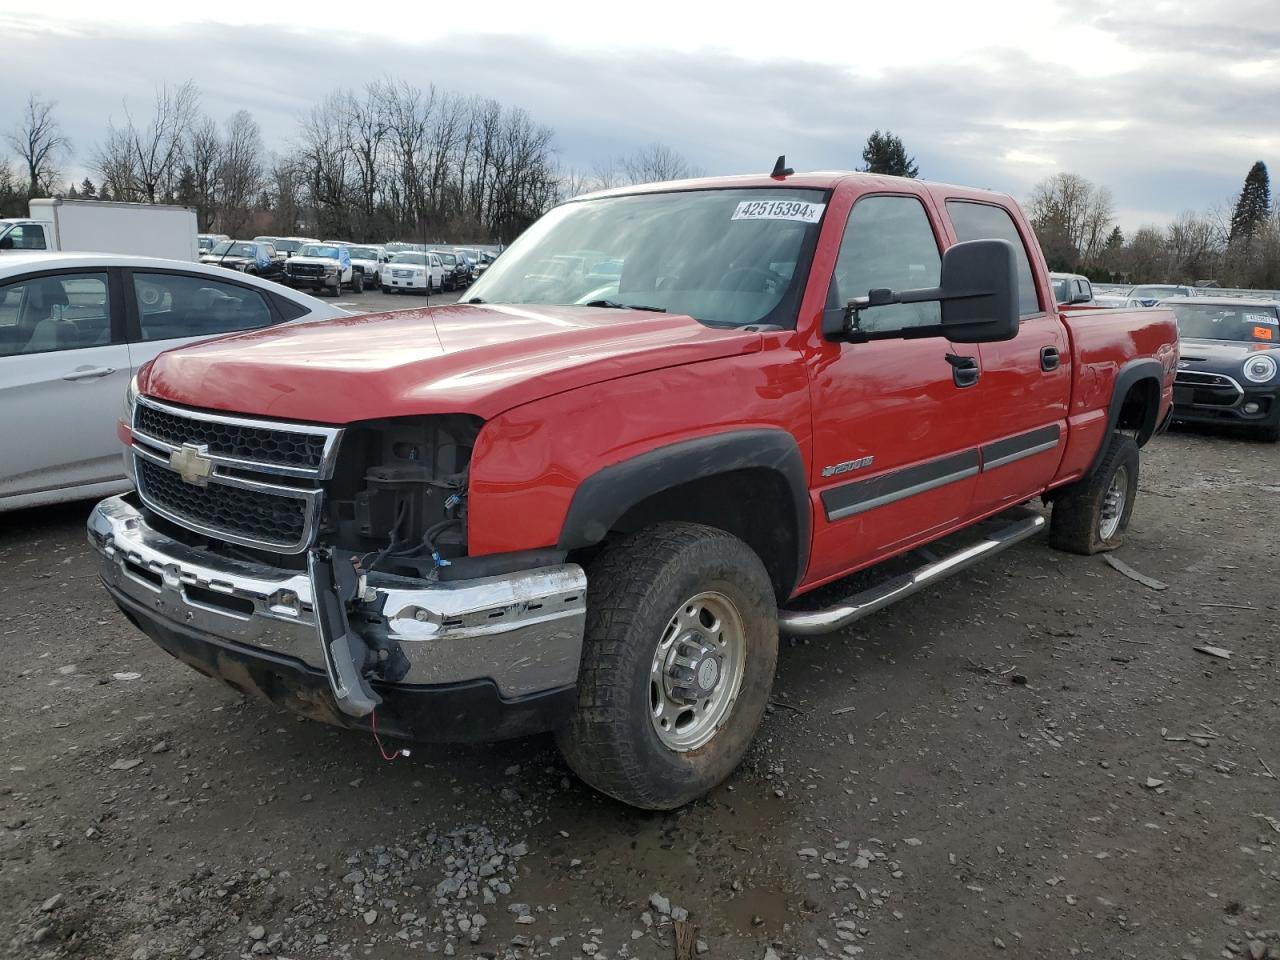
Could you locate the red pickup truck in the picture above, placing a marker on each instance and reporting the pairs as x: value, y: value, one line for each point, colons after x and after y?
x: 587, y: 499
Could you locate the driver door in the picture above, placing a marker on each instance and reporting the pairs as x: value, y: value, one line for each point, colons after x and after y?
x: 895, y: 448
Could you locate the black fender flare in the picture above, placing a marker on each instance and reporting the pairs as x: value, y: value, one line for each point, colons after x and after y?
x: 1133, y: 372
x: 603, y: 498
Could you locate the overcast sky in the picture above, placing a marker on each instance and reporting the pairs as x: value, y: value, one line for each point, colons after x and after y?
x: 1166, y: 103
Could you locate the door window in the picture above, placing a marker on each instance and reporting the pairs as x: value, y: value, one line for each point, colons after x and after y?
x: 888, y: 242
x: 25, y: 236
x: 46, y: 314
x: 176, y: 305
x: 982, y: 221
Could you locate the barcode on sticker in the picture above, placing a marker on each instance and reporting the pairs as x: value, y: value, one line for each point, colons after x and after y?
x: 779, y: 210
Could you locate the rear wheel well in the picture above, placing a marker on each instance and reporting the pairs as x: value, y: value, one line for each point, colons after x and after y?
x: 753, y: 504
x: 1139, y: 410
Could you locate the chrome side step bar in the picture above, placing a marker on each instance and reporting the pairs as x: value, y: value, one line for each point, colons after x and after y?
x: 1022, y: 524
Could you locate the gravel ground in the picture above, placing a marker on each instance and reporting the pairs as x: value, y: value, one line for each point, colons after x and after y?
x: 1030, y: 760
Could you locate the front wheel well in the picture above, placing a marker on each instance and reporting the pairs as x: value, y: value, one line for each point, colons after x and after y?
x: 753, y: 504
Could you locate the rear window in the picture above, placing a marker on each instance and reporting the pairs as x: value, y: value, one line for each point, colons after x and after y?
x: 982, y: 221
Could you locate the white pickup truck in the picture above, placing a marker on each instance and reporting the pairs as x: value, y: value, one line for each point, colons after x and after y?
x: 103, y: 226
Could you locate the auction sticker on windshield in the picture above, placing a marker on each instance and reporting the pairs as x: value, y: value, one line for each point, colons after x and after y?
x: 779, y: 210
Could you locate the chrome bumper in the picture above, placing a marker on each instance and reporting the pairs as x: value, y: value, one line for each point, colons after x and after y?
x: 521, y: 630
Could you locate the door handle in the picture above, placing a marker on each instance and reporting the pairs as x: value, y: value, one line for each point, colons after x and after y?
x: 964, y: 370
x: 1049, y: 358
x: 89, y: 373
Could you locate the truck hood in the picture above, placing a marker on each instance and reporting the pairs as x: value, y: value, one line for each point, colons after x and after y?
x: 323, y: 261
x: 472, y: 359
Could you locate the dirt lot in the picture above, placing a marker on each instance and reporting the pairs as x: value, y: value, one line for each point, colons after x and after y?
x: 1031, y: 760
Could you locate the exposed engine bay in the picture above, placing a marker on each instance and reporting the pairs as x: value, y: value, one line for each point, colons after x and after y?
x: 398, y: 496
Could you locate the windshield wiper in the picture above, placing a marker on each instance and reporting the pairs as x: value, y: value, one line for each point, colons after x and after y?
x: 615, y: 305
x: 476, y: 300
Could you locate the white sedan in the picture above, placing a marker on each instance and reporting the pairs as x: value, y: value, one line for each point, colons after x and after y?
x: 413, y: 271
x: 75, y: 328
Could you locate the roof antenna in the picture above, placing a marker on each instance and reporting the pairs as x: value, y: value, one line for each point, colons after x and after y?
x: 780, y: 169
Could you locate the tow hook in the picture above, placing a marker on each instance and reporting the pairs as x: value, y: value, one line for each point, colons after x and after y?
x: 334, y: 585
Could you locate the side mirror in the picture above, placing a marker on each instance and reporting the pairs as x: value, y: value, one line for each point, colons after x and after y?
x: 978, y: 291
x: 6, y: 243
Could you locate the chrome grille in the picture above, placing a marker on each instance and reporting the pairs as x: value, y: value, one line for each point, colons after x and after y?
x: 268, y: 445
x: 265, y: 518
x: 260, y: 480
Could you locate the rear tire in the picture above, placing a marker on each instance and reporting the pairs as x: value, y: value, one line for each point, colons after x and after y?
x: 662, y: 604
x: 1091, y: 515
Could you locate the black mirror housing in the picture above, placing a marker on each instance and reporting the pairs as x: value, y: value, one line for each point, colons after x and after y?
x: 978, y: 291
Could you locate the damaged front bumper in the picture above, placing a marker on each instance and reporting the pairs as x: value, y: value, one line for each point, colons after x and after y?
x: 481, y: 659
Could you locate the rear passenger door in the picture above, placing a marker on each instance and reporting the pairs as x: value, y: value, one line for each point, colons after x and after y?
x: 167, y: 310
x: 64, y: 369
x: 1026, y: 382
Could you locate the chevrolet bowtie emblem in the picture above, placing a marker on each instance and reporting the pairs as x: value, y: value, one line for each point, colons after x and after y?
x: 192, y: 463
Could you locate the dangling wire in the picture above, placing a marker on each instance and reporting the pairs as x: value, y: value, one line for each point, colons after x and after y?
x: 395, y: 754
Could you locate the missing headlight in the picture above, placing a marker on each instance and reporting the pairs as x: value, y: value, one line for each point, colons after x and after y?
x: 398, y: 495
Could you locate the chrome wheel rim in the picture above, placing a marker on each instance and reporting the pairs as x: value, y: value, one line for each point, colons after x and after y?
x: 1113, y: 504
x: 697, y: 670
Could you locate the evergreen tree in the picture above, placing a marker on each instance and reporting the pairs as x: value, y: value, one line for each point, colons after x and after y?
x: 884, y: 153
x: 1254, y: 204
x: 87, y: 190
x: 72, y: 193
x: 185, y: 192
x: 1115, y: 241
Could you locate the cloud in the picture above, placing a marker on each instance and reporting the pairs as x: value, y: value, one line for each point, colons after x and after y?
x: 1173, y: 121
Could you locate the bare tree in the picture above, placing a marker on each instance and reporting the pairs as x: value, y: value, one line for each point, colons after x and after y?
x: 1193, y: 247
x: 1073, y: 217
x: 326, y: 164
x: 240, y: 171
x: 40, y: 144
x: 655, y: 163
x: 203, y: 153
x: 142, y: 162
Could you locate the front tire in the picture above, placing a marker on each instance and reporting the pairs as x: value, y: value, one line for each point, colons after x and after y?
x: 678, y: 659
x: 1091, y: 515
x: 357, y: 283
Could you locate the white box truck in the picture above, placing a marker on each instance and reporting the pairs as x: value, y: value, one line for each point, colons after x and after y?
x: 98, y: 226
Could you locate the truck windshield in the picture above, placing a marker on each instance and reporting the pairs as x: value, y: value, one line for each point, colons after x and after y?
x: 363, y: 253
x: 1209, y: 322
x: 287, y: 246
x: 316, y: 250
x: 724, y: 257
x: 229, y: 248
x: 420, y: 259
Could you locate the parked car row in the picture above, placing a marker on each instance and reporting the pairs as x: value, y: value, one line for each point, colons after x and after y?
x: 332, y: 266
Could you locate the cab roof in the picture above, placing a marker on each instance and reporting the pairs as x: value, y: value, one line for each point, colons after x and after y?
x: 816, y: 180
